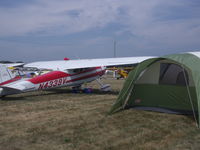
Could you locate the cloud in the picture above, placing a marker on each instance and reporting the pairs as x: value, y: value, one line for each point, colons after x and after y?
x: 159, y: 25
x: 50, y: 17
x: 140, y: 26
x: 55, y: 17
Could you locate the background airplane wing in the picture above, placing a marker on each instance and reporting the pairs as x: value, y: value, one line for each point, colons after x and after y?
x: 12, y: 64
x: 86, y: 63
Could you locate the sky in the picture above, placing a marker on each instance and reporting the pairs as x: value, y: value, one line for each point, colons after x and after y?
x: 34, y: 30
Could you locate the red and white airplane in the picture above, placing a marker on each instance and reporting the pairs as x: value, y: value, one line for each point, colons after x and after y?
x: 63, y: 73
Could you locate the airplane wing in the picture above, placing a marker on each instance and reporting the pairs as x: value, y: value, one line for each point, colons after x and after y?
x: 86, y: 63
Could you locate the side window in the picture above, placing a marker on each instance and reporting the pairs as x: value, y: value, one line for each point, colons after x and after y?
x: 75, y: 71
x: 172, y: 74
x: 79, y: 70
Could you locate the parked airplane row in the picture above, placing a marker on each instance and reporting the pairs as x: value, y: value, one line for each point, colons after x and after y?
x: 54, y: 74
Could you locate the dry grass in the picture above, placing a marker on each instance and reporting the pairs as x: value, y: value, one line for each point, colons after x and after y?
x: 62, y: 120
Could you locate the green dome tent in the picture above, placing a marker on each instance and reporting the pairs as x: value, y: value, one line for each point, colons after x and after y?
x: 167, y: 84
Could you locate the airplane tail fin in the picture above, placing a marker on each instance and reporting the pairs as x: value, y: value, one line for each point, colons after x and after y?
x: 5, y: 74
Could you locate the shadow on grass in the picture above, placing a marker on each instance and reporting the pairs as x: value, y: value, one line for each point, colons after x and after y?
x: 54, y: 92
x: 94, y: 91
x: 8, y: 98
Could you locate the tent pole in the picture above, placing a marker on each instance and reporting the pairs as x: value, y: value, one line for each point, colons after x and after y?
x: 188, y: 90
x: 129, y: 94
x: 128, y: 89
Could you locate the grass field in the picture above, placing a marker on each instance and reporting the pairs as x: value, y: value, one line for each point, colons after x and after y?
x: 61, y: 120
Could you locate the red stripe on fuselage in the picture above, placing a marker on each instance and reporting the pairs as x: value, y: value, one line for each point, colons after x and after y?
x: 11, y: 80
x: 48, y: 76
x: 56, y: 75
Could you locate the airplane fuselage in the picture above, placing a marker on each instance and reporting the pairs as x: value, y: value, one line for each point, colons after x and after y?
x: 53, y: 79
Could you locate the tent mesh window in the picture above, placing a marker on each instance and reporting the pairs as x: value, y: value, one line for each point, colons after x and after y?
x: 172, y: 74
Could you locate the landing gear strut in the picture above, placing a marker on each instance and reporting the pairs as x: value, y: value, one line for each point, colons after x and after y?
x: 104, y: 87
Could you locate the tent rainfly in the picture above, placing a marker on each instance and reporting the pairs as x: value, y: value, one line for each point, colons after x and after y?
x: 168, y: 84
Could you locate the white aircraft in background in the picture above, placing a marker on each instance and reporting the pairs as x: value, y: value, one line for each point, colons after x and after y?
x: 62, y: 73
x: 12, y: 64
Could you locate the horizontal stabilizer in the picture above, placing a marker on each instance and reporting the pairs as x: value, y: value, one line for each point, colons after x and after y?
x: 8, y: 91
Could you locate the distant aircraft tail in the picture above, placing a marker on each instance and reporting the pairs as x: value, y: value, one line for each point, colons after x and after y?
x: 5, y: 74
